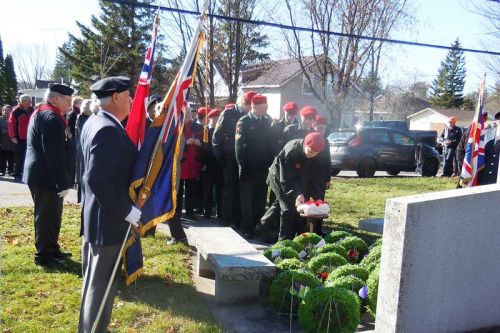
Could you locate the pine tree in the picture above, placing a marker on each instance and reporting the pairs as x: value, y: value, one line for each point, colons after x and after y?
x: 62, y: 69
x: 10, y: 81
x: 447, y: 88
x: 115, y: 44
x: 2, y: 75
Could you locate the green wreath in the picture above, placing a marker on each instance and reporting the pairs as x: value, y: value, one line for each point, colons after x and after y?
x: 307, y: 239
x: 285, y: 253
x: 289, y: 264
x: 372, y: 284
x: 335, y: 236
x: 288, y: 288
x: 329, y: 310
x: 332, y: 248
x: 289, y: 243
x: 325, y: 262
x: 356, y: 248
x: 372, y: 259
x: 349, y: 270
x: 378, y: 242
x: 349, y: 282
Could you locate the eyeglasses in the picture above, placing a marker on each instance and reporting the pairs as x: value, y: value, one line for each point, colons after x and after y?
x: 66, y: 99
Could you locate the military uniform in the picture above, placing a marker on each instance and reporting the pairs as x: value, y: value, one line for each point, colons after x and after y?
x: 254, y: 155
x: 223, y: 143
x: 212, y: 177
x: 290, y: 175
x: 277, y: 129
x: 452, y: 134
x: 488, y: 175
x: 294, y: 132
x: 47, y: 172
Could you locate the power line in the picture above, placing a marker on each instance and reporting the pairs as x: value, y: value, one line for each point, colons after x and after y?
x: 304, y: 29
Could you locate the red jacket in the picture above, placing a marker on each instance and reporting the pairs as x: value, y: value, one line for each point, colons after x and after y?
x: 192, y: 155
x: 18, y: 123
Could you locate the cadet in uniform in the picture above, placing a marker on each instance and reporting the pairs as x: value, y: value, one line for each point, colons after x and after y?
x: 450, y: 137
x: 254, y: 154
x: 291, y: 178
x: 47, y: 170
x: 107, y: 210
x: 303, y: 127
x: 289, y: 118
x: 223, y: 144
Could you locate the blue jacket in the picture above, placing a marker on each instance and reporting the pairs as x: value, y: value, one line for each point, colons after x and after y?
x: 108, y: 158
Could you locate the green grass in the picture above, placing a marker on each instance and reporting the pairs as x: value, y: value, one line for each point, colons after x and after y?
x: 34, y: 299
x: 354, y: 199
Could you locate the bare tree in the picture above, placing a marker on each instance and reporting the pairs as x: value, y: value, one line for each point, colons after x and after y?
x: 31, y: 64
x: 339, y: 62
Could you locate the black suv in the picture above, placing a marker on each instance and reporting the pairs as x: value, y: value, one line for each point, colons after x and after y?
x: 380, y: 149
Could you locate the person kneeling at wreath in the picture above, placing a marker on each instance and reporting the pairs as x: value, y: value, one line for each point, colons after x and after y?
x: 291, y: 178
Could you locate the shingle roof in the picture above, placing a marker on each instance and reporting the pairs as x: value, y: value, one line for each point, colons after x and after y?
x: 461, y: 115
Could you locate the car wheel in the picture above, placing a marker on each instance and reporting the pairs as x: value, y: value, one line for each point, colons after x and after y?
x: 334, y: 171
x: 430, y: 168
x: 367, y: 168
x: 393, y: 172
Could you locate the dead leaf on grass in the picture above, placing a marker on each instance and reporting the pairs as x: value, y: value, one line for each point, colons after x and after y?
x: 172, y: 329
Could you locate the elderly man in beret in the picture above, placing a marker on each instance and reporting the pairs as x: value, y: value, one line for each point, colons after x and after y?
x: 47, y: 171
x: 254, y: 155
x: 107, y: 210
x: 224, y: 149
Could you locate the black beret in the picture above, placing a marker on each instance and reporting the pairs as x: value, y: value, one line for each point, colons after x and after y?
x: 110, y: 85
x: 497, y: 115
x: 61, y: 89
x: 153, y: 99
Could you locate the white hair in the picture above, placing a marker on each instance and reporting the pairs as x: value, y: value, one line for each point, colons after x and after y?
x: 86, y: 107
x: 75, y: 100
x: 24, y: 97
x: 102, y: 101
x: 49, y: 95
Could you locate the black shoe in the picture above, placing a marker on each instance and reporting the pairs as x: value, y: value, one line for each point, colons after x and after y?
x: 48, y: 262
x: 191, y: 216
x: 206, y: 216
x: 2, y: 174
x: 62, y: 255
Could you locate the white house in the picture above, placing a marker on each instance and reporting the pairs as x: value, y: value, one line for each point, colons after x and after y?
x: 436, y: 119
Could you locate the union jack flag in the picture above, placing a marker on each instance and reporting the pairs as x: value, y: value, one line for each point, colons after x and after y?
x: 474, y: 150
x: 136, y: 124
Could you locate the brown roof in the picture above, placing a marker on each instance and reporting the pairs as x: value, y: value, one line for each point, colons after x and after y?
x: 272, y: 72
x: 461, y: 115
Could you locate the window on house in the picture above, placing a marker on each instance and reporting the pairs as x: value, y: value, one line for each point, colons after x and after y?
x: 306, y: 87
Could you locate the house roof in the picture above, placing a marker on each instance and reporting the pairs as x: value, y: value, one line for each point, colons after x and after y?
x: 272, y: 73
x: 461, y: 115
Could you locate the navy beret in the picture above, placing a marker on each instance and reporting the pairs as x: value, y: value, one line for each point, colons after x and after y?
x: 153, y: 99
x: 61, y: 89
x: 110, y: 85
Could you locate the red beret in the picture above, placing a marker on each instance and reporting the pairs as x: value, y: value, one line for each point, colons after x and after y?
x: 259, y: 99
x: 315, y: 142
x: 228, y: 106
x: 290, y: 107
x: 308, y: 111
x: 249, y: 95
x: 214, y: 113
x: 202, y: 111
x: 320, y: 120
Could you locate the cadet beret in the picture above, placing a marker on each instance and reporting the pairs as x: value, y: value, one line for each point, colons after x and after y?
x: 320, y: 120
x: 314, y: 141
x: 249, y: 95
x: 290, y: 107
x: 202, y: 111
x: 214, y: 113
x: 61, y: 89
x: 110, y: 85
x: 308, y: 111
x: 259, y: 99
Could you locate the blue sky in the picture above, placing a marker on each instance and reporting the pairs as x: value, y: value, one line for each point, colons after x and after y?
x: 47, y: 23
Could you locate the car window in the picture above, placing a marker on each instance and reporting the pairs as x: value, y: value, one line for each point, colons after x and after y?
x: 377, y: 136
x: 341, y: 136
x: 402, y: 140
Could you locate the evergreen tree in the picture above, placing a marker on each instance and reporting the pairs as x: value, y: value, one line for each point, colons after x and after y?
x: 115, y: 44
x: 62, y: 69
x: 2, y: 75
x: 447, y: 88
x: 10, y: 81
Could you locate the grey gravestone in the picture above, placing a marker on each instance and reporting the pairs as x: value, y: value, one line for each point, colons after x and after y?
x: 440, y: 266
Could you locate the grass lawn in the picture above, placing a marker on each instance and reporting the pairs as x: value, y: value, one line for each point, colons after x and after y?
x: 354, y: 199
x: 36, y: 300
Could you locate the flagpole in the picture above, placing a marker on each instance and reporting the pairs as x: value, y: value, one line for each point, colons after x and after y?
x: 110, y: 282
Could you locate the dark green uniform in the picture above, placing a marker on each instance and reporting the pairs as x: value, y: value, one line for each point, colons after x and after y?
x: 290, y: 175
x: 254, y: 154
x: 294, y: 132
x: 223, y: 148
x: 277, y: 129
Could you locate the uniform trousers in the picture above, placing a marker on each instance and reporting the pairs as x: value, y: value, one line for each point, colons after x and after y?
x: 97, y: 266
x: 212, y: 179
x: 48, y: 214
x: 450, y: 162
x: 20, y: 153
x: 231, y: 210
x: 253, y: 190
x: 288, y: 213
x: 268, y: 228
x: 7, y: 161
x: 186, y: 187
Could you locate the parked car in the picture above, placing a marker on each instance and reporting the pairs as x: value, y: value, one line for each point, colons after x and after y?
x: 367, y: 150
x: 427, y: 137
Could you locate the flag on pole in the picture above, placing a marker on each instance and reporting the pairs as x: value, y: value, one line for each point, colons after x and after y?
x: 474, y: 150
x: 136, y: 123
x: 154, y: 175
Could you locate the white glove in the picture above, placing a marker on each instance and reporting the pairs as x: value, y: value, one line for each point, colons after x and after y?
x: 134, y: 216
x: 62, y: 194
x: 189, y: 141
x: 300, y: 200
x: 197, y: 142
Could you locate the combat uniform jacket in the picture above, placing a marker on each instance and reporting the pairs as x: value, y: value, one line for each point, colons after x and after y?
x: 223, y: 138
x: 277, y: 129
x: 294, y: 132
